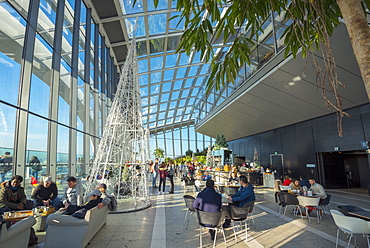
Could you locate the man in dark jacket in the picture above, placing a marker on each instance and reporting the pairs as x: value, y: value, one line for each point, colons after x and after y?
x: 12, y: 196
x: 46, y: 194
x: 209, y: 201
x: 304, y: 182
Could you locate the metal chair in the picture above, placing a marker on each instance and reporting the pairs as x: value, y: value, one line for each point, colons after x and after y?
x: 309, y: 202
x: 210, y: 221
x: 189, y: 205
x: 344, y: 209
x: 351, y: 226
x: 285, y: 200
x: 239, y: 215
x: 325, y: 203
x: 251, y: 207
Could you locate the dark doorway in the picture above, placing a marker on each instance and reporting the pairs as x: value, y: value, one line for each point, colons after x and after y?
x: 345, y: 169
x: 277, y: 163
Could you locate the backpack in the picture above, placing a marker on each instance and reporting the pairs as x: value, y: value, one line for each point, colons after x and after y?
x: 112, y: 206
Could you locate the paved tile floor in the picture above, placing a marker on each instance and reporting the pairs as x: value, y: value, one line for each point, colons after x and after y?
x: 161, y: 225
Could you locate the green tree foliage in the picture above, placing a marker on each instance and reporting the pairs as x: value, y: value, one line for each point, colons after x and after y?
x: 220, y: 142
x: 158, y: 153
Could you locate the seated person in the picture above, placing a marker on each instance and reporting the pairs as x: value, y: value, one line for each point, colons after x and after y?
x: 206, y: 176
x: 295, y: 185
x: 46, y: 194
x: 287, y: 181
x: 304, y: 182
x: 12, y: 196
x: 73, y: 195
x: 319, y: 190
x: 233, y: 178
x: 189, y: 180
x: 107, y: 200
x: 80, y: 211
x: 244, y: 195
x: 208, y: 201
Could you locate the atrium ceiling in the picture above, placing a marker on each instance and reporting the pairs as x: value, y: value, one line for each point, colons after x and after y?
x: 170, y: 83
x: 173, y: 84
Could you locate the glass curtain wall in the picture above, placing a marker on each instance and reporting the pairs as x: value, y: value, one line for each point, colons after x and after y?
x: 46, y: 110
x: 176, y: 142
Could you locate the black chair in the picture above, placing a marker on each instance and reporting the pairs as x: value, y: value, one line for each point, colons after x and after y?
x: 285, y: 200
x: 344, y: 209
x: 240, y: 215
x: 210, y: 221
x: 189, y: 205
x: 251, y: 207
x: 325, y: 203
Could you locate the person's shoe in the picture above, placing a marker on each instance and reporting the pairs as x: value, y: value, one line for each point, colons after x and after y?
x: 171, y: 192
x: 155, y: 187
x: 159, y: 193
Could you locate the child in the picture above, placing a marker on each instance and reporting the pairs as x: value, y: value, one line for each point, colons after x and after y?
x: 80, y: 211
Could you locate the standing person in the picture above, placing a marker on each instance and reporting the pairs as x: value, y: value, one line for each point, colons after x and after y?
x: 244, y: 195
x: 12, y: 196
x: 35, y: 167
x: 162, y: 177
x: 46, y: 193
x: 73, y: 195
x: 154, y: 172
x: 171, y: 173
x: 209, y: 201
x: 5, y: 165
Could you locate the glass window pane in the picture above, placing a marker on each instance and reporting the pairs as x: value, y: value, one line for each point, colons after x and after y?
x: 80, y: 104
x: 7, y: 130
x: 62, y: 153
x: 157, y: 24
x: 12, y: 30
x: 64, y: 93
x: 37, y: 142
x: 46, y: 20
x: 67, y: 35
x: 41, y: 78
x: 80, y: 166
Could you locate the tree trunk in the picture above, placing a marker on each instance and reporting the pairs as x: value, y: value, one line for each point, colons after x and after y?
x: 359, y: 33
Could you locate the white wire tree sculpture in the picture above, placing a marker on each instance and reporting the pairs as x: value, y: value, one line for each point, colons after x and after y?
x: 123, y: 152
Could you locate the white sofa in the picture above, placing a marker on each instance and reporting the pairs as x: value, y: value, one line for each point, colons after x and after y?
x: 73, y: 232
x: 18, y: 234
